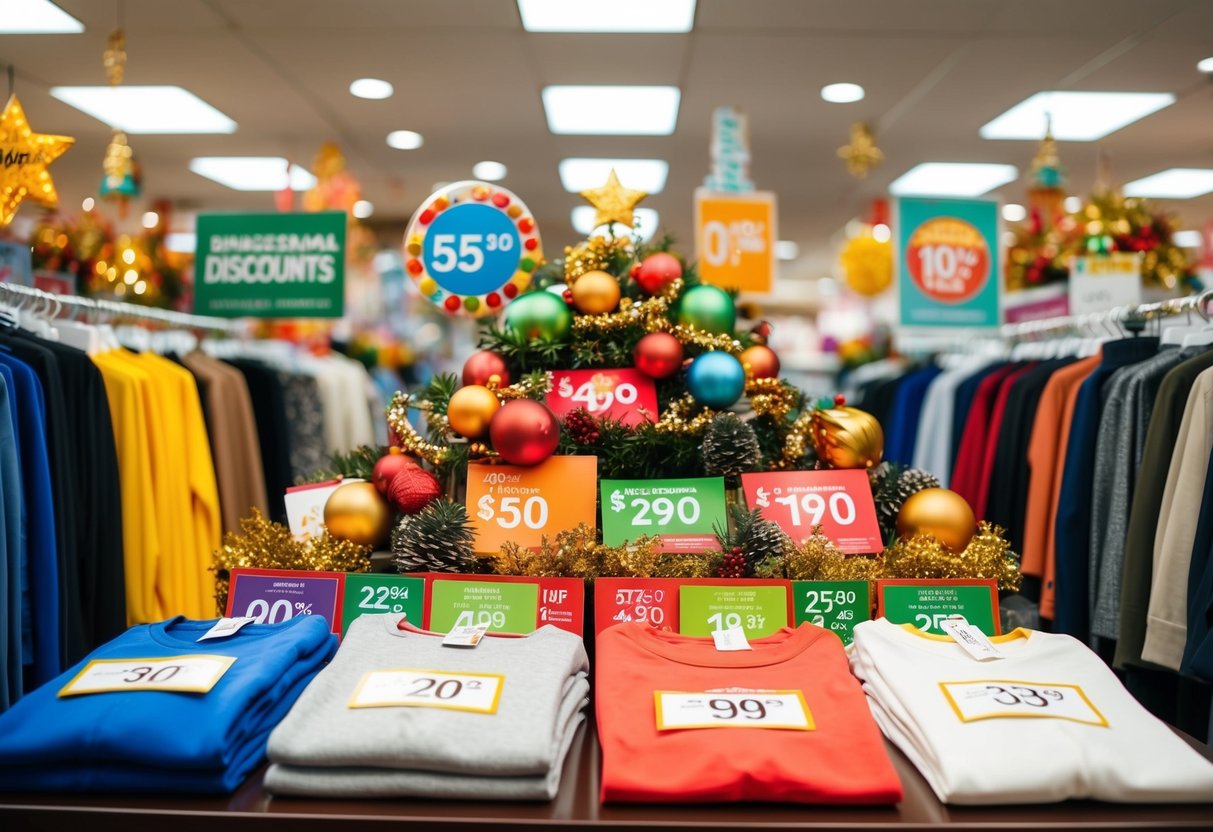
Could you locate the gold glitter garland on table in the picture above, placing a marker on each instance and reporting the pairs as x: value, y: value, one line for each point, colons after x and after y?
x: 407, y: 438
x: 576, y: 553
x: 988, y: 555
x: 263, y: 544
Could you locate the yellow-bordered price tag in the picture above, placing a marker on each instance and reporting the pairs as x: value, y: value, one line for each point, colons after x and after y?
x: 475, y: 692
x: 1010, y: 699
x: 782, y: 709
x: 183, y: 674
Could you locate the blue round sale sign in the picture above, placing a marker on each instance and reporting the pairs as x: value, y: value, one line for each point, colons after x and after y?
x: 471, y: 248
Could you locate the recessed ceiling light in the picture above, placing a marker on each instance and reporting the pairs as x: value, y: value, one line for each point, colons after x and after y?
x: 157, y: 109
x: 842, y: 93
x: 646, y: 175
x: 252, y: 173
x: 372, y: 88
x: 151, y: 219
x: 881, y: 232
x: 1072, y: 204
x: 786, y: 250
x: 582, y: 218
x: 952, y: 179
x: 1174, y: 183
x: 612, y: 111
x: 362, y: 209
x: 37, y: 17
x: 1076, y: 116
x: 1206, y: 65
x: 489, y: 171
x: 1190, y: 238
x: 183, y: 242
x: 592, y: 16
x: 1011, y: 212
x: 404, y: 140
x: 88, y: 203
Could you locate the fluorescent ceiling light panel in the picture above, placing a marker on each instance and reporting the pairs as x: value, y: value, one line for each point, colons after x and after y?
x: 36, y: 17
x: 617, y: 16
x: 1206, y: 65
x: 612, y: 111
x: 1174, y: 183
x: 372, y: 88
x: 489, y: 171
x: 405, y: 139
x: 165, y: 109
x: 842, y: 93
x: 252, y: 173
x: 952, y: 179
x: 583, y: 216
x: 786, y: 250
x: 1077, y: 116
x: 646, y: 175
x: 1187, y: 239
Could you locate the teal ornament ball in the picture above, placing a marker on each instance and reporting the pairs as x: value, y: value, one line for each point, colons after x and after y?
x: 708, y: 308
x: 716, y: 379
x: 539, y: 315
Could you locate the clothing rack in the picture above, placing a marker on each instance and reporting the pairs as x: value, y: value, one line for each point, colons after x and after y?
x: 97, y: 306
x: 1120, y: 316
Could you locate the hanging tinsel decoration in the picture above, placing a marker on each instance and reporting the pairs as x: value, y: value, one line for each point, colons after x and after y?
x: 988, y: 555
x: 576, y: 553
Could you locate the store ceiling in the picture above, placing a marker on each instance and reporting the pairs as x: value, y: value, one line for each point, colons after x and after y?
x: 468, y: 77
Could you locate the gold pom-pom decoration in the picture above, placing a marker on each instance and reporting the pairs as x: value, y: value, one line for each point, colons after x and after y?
x: 867, y: 265
x: 847, y: 437
x: 988, y: 555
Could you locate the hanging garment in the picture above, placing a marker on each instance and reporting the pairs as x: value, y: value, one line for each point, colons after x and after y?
x: 12, y: 520
x: 901, y: 431
x: 1198, y: 650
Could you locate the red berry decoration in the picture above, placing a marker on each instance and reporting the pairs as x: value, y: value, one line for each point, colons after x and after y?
x: 840, y: 400
x: 658, y: 355
x: 582, y: 427
x: 483, y: 365
x: 412, y: 489
x: 524, y: 432
x: 388, y: 467
x: 657, y: 271
x: 732, y: 564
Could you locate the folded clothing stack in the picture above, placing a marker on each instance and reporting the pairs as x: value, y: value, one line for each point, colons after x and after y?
x: 784, y: 721
x: 398, y: 714
x: 147, y: 740
x: 1046, y: 722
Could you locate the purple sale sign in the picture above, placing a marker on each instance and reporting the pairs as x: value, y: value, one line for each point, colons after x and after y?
x: 272, y: 596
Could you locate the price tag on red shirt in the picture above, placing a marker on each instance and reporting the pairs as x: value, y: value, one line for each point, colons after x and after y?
x: 733, y: 708
x: 623, y: 395
x: 839, y: 501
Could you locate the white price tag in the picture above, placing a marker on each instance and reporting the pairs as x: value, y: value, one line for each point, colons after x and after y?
x: 475, y: 692
x: 189, y: 674
x: 1009, y: 699
x: 973, y: 640
x: 731, y: 639
x: 784, y: 709
x: 225, y: 627
x: 462, y: 635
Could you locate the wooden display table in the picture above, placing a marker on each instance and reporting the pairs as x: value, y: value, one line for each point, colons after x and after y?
x: 576, y: 807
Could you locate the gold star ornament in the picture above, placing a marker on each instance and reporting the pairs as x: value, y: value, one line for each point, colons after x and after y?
x: 862, y: 154
x: 24, y: 158
x: 613, y: 202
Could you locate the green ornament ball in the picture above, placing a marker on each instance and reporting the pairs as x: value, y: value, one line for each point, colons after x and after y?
x: 708, y: 308
x: 539, y: 315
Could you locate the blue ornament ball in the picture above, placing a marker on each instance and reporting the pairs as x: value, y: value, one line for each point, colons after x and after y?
x: 716, y: 379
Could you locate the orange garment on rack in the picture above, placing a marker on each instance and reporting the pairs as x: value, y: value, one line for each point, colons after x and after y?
x: 1046, y: 450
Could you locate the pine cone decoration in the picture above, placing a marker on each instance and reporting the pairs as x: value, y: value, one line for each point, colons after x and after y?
x: 884, y: 479
x: 730, y: 447
x: 436, y: 539
x: 765, y: 540
x: 913, y: 480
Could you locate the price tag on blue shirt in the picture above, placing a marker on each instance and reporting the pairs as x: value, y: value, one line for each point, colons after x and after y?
x: 189, y: 674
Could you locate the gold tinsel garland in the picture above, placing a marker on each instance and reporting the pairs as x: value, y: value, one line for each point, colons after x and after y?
x: 407, y: 437
x: 592, y: 255
x: 796, y: 442
x: 988, y: 555
x: 771, y: 397
x: 263, y: 544
x: 576, y: 553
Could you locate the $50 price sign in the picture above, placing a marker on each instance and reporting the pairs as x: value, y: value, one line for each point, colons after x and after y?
x: 521, y: 505
x: 625, y: 395
x: 839, y: 501
x: 683, y: 513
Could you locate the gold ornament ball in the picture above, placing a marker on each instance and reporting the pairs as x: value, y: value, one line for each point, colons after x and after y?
x: 471, y: 409
x: 595, y: 293
x: 760, y: 361
x: 847, y: 437
x: 358, y: 513
x: 943, y: 514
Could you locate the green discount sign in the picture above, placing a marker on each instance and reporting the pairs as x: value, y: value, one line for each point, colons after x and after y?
x: 370, y: 594
x: 832, y: 605
x: 927, y: 604
x: 270, y: 265
x: 759, y: 610
x: 682, y: 513
x: 502, y: 607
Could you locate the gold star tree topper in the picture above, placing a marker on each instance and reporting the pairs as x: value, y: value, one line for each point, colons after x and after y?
x: 613, y: 202
x: 24, y: 158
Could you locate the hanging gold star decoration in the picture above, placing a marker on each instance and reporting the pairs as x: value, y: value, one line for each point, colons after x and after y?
x: 613, y: 202
x: 24, y: 157
x: 861, y: 154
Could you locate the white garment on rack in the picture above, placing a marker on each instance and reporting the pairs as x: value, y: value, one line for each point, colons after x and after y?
x: 933, y: 446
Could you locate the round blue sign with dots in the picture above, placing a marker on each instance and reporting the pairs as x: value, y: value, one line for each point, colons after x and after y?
x: 471, y: 248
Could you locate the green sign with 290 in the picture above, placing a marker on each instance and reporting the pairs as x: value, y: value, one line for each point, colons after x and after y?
x: 270, y: 265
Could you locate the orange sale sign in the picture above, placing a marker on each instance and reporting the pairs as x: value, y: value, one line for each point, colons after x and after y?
x: 521, y: 505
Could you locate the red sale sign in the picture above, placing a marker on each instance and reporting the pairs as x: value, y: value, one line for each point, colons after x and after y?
x: 623, y: 395
x: 657, y: 601
x: 839, y: 501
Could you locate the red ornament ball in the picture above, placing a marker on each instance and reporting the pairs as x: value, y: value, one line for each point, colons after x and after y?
x: 412, y: 489
x: 658, y: 271
x: 481, y: 365
x: 524, y: 432
x: 388, y: 467
x: 658, y: 355
x: 760, y: 361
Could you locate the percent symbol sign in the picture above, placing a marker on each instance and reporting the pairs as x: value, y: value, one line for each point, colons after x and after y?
x: 303, y: 608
